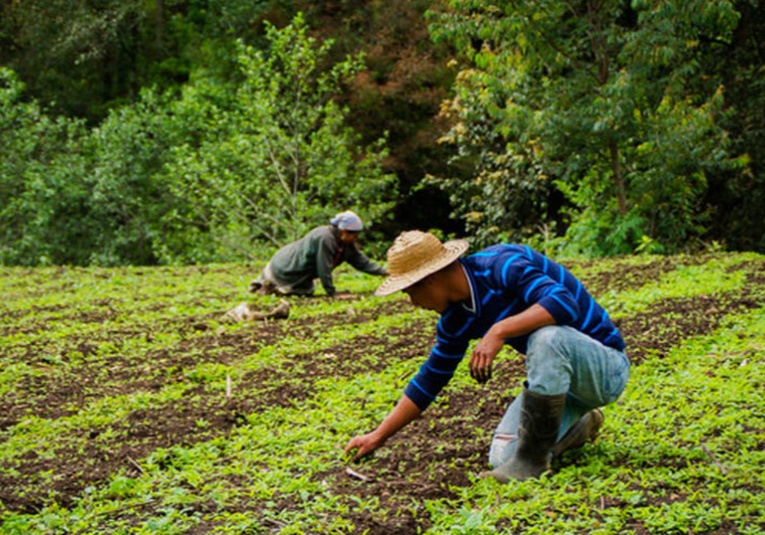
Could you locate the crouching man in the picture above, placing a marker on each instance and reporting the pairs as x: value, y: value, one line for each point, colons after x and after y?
x: 294, y: 267
x: 508, y: 294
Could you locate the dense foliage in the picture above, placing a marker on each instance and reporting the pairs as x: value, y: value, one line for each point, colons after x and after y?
x: 615, y: 104
x: 202, y: 176
x: 171, y: 131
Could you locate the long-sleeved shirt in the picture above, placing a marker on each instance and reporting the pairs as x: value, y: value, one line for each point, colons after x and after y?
x: 315, y: 255
x: 505, y: 280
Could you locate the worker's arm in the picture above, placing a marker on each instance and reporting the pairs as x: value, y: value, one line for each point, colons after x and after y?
x: 404, y: 412
x: 533, y: 318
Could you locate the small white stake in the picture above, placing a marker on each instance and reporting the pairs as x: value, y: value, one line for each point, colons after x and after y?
x: 355, y: 474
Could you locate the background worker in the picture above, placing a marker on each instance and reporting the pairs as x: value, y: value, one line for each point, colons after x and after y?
x: 575, y: 360
x: 294, y: 267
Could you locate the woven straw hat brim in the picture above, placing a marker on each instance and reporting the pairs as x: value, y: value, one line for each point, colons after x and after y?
x: 451, y: 252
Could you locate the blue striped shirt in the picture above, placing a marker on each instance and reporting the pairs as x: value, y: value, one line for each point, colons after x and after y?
x: 504, y: 281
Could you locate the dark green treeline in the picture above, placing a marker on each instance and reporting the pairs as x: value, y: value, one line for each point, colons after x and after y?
x: 196, y: 131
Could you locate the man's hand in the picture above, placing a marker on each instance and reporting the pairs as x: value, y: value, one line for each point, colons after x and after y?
x: 344, y: 296
x: 404, y: 412
x: 364, y: 444
x: 533, y: 318
x: 483, y: 356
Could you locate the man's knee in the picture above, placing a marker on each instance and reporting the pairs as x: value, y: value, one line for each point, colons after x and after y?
x: 547, y: 339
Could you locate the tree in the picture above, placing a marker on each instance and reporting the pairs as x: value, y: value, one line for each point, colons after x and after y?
x: 126, y: 194
x: 76, y: 56
x: 599, y: 98
x: 279, y: 160
x: 399, y: 91
x: 736, y: 197
x: 85, y: 57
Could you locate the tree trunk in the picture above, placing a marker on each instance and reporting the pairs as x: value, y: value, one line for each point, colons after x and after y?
x: 616, y: 169
x: 159, y: 28
x: 603, y: 65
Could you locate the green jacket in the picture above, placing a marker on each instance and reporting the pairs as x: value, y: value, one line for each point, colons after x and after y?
x: 315, y: 255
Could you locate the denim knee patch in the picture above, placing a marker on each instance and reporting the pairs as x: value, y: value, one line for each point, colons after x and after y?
x: 548, y: 365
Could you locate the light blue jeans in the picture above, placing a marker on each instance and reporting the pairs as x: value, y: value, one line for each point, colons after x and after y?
x: 562, y: 360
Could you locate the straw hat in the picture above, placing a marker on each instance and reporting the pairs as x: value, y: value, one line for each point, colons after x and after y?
x: 414, y: 255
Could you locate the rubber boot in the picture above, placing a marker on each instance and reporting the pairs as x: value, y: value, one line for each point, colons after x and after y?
x: 255, y: 285
x: 537, y: 433
x: 586, y: 429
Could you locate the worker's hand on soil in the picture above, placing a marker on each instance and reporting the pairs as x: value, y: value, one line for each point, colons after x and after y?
x: 343, y: 295
x: 363, y: 445
x: 483, y: 356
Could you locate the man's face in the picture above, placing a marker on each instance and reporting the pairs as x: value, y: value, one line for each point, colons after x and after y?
x: 428, y: 294
x: 348, y: 236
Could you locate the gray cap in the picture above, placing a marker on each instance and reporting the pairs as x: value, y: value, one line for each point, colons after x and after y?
x: 347, y: 221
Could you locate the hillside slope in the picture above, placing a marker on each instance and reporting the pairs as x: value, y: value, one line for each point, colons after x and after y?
x: 130, y: 405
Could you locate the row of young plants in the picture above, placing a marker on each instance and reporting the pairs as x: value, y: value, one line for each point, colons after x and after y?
x: 679, y: 448
x: 91, y: 318
x: 97, y: 428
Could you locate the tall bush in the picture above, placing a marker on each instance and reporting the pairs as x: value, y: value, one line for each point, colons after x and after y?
x: 279, y: 161
x: 128, y: 196
x: 42, y: 195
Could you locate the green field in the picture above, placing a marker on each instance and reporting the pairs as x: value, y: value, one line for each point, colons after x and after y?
x: 130, y: 405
